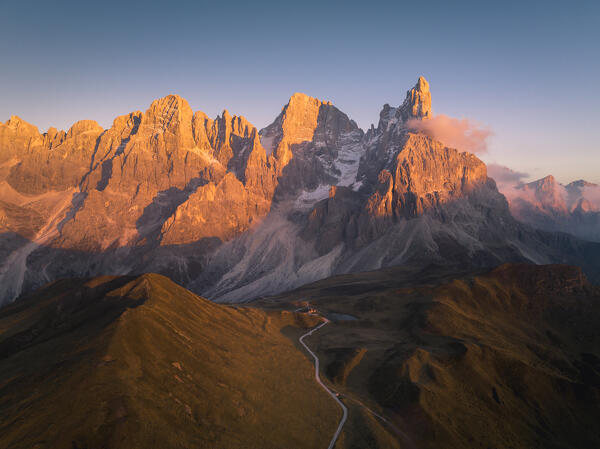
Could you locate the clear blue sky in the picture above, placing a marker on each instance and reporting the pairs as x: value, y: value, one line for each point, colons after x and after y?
x: 529, y: 70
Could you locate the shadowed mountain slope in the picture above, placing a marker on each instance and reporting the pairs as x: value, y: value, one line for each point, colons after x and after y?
x: 504, y: 358
x: 140, y: 362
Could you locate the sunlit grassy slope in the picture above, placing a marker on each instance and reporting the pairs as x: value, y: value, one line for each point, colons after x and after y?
x: 144, y: 363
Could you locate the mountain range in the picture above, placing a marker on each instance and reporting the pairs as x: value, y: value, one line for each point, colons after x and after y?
x: 235, y: 213
x: 384, y: 290
x: 546, y: 204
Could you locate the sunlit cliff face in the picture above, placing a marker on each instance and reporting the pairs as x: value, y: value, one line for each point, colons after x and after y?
x: 296, y: 124
x: 167, y: 175
x: 418, y: 102
x: 172, y: 176
x: 173, y: 191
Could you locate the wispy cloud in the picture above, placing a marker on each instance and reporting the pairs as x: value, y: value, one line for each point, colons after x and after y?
x: 511, y: 184
x: 505, y: 177
x: 463, y: 134
x: 592, y: 194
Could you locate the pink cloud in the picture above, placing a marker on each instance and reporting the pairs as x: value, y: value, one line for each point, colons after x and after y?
x: 505, y: 177
x: 592, y: 194
x: 511, y: 183
x: 463, y: 134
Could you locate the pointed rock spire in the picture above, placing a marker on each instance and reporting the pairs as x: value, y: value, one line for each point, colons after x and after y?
x: 418, y: 101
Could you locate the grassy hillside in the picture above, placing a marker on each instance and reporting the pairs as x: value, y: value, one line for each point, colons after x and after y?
x: 504, y: 359
x: 141, y: 362
x: 508, y: 358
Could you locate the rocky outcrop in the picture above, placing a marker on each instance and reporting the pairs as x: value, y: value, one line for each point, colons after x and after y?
x: 17, y: 137
x: 295, y: 124
x: 417, y: 103
x: 412, y: 200
x: 51, y: 161
x: 427, y: 174
x: 235, y: 212
x: 222, y: 211
x: 403, y: 175
x: 150, y: 168
x: 309, y: 141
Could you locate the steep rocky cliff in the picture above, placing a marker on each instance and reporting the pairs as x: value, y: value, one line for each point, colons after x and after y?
x: 234, y: 212
x: 408, y: 200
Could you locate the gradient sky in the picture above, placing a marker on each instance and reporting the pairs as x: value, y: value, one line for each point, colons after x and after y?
x: 528, y: 70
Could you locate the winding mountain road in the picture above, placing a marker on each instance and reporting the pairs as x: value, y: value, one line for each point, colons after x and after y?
x: 318, y: 378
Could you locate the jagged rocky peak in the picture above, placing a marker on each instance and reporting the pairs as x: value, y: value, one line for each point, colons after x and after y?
x: 418, y: 102
x: 550, y: 191
x: 426, y: 174
x: 236, y: 124
x: 299, y: 120
x: 582, y: 183
x: 578, y: 191
x: 226, y: 136
x: 167, y: 123
x: 171, y: 113
x: 416, y: 105
x: 546, y: 186
x: 84, y: 126
x: 544, y: 194
x: 544, y: 183
x: 547, y: 204
x: 577, y: 186
x: 170, y: 104
x: 54, y: 137
x: 15, y: 121
x: 20, y: 127
x: 300, y: 99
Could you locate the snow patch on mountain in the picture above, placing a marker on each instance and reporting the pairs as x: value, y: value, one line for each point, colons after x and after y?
x: 268, y: 143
